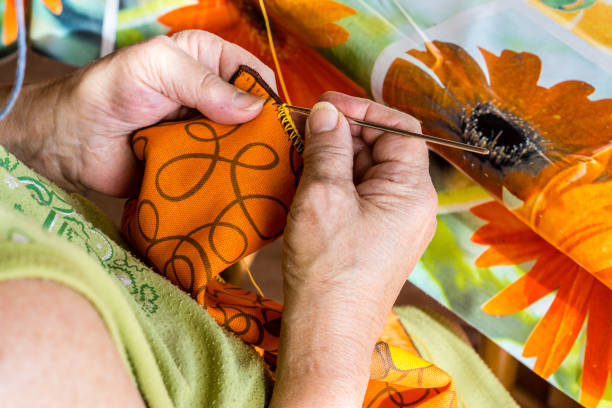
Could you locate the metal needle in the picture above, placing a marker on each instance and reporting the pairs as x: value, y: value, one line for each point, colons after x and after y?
x: 431, y: 139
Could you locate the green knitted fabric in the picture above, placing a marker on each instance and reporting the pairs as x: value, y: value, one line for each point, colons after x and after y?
x: 175, y: 352
x: 476, y: 385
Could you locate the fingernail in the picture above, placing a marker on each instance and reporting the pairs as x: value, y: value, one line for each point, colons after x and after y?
x: 246, y: 101
x: 323, y: 117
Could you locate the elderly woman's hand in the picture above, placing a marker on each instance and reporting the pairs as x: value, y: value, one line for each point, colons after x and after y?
x: 362, y: 216
x: 75, y: 130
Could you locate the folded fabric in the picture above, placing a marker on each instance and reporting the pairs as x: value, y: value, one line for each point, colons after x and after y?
x: 212, y: 194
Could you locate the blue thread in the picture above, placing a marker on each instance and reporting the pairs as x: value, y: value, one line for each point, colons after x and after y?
x: 21, y: 59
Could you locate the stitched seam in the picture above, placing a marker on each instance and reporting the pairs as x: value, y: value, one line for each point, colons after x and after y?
x: 289, y: 127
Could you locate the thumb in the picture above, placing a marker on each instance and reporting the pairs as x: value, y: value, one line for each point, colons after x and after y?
x: 328, y: 154
x: 190, y: 83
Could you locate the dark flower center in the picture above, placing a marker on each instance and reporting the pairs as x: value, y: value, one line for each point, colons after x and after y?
x: 510, y: 139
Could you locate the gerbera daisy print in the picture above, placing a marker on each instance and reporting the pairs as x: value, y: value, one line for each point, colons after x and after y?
x: 548, y: 146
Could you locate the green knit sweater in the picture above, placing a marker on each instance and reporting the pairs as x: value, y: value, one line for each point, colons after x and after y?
x: 176, y: 353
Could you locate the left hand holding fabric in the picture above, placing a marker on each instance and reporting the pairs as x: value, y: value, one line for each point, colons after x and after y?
x: 74, y: 130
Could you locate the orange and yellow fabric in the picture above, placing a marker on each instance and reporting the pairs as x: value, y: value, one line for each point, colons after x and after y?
x: 212, y: 194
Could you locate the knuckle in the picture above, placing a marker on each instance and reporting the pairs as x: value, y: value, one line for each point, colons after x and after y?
x: 411, y: 123
x: 158, y: 42
x: 323, y: 151
x: 210, y: 84
x: 330, y: 95
x: 422, y: 151
x: 401, y: 120
x: 410, y: 175
x: 322, y: 192
x: 189, y: 34
x: 179, y: 36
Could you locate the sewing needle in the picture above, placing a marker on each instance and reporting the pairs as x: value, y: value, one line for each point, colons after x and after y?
x: 432, y: 139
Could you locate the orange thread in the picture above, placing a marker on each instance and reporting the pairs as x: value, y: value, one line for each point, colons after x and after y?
x: 284, y: 115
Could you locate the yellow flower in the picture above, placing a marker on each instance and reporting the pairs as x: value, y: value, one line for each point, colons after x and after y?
x: 591, y: 23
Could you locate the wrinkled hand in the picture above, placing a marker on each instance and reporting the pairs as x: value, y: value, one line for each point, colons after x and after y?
x: 363, y: 214
x: 94, y: 110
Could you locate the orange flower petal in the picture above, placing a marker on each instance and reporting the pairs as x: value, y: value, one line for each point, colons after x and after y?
x: 457, y: 70
x: 489, y: 211
x: 569, y: 120
x: 580, y: 293
x: 494, y: 234
x: 9, y: 26
x: 305, y: 83
x: 511, y: 241
x: 556, y: 333
x: 208, y: 15
x: 54, y: 6
x: 598, y: 353
x: 313, y: 20
x: 549, y: 272
x: 512, y: 254
x: 524, y: 69
x: 410, y: 89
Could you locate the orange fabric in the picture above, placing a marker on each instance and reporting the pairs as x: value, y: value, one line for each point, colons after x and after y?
x: 400, y: 378
x: 211, y: 195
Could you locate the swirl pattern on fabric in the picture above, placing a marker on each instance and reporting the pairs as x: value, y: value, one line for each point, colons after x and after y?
x: 211, y: 193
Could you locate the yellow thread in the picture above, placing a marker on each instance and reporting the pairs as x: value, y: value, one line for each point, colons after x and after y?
x: 248, y: 271
x: 271, y: 42
x: 284, y: 115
